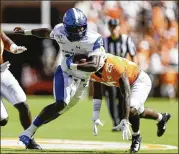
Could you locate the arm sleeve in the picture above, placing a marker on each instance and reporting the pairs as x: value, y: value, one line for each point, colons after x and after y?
x: 131, y: 47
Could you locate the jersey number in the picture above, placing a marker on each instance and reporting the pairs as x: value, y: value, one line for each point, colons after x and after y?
x: 109, y: 67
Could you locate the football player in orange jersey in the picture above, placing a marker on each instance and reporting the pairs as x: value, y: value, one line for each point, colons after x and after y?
x: 135, y: 86
x: 11, y: 90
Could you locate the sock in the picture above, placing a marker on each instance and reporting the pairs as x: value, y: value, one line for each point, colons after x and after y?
x: 33, y: 127
x: 37, y: 122
x: 135, y: 133
x: 159, y: 117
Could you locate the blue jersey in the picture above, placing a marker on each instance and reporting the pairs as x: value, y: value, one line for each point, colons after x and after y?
x: 91, y: 44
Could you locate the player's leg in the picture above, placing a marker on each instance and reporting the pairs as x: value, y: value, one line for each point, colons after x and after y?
x: 120, y: 108
x: 62, y: 96
x: 162, y: 119
x: 77, y: 90
x: 51, y: 111
x: 139, y: 93
x: 11, y: 90
x: 110, y: 93
x: 4, y: 115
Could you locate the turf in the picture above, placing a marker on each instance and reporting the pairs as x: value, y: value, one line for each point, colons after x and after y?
x: 76, y: 124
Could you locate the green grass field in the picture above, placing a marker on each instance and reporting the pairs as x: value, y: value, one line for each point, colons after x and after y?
x: 76, y: 124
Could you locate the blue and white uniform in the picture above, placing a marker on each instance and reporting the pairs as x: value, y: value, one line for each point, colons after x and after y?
x: 69, y: 85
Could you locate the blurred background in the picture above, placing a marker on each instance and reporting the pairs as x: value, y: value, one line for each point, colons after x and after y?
x: 153, y: 26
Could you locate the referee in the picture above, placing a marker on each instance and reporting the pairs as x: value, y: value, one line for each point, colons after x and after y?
x: 120, y: 45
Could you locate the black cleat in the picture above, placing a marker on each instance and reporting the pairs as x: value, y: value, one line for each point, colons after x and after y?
x: 33, y: 145
x: 136, y: 141
x: 162, y: 124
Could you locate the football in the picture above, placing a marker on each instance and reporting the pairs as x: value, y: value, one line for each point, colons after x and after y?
x: 80, y: 58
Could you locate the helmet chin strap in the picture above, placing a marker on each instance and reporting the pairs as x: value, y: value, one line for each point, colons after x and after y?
x: 73, y: 38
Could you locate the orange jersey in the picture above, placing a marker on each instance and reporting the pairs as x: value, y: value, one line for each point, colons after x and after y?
x: 113, y: 68
x: 2, y: 49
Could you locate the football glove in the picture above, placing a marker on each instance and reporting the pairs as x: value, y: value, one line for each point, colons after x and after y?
x: 17, y: 49
x: 69, y: 60
x: 124, y: 128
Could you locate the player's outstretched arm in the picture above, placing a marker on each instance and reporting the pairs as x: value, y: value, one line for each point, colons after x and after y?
x: 9, y: 45
x: 97, y: 100
x: 41, y: 32
x: 125, y: 91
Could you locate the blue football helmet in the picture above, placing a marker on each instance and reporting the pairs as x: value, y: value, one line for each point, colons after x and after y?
x: 75, y: 24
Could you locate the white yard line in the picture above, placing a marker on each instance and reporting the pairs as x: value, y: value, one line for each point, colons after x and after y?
x: 82, y: 145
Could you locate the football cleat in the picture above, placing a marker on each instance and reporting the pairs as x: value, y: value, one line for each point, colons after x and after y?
x: 33, y: 145
x: 136, y: 141
x: 29, y: 143
x: 116, y: 130
x: 161, y: 125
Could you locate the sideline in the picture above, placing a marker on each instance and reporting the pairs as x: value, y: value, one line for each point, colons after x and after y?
x: 82, y: 145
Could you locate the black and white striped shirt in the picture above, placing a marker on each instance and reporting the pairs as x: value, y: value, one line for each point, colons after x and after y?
x: 121, y: 46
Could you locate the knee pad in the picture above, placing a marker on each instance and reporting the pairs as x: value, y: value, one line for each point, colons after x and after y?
x: 4, y: 122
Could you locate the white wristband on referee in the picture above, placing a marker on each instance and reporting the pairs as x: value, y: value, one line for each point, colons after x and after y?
x: 73, y: 66
x: 13, y: 48
x: 27, y: 32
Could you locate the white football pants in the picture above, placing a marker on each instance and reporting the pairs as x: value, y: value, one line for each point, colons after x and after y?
x: 10, y: 90
x: 140, y: 91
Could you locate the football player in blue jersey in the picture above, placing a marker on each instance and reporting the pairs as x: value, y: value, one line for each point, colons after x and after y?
x: 70, y: 79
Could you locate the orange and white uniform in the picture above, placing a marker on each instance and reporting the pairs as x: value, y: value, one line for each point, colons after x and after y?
x: 2, y: 49
x: 10, y: 88
x: 140, y: 83
x: 113, y: 68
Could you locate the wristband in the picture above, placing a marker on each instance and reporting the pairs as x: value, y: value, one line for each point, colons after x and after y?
x: 73, y: 66
x: 13, y: 47
x: 27, y: 32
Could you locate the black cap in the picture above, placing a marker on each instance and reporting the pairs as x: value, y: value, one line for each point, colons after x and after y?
x: 113, y: 22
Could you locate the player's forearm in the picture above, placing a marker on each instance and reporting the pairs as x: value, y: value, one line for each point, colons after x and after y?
x: 41, y: 32
x: 97, y: 99
x: 125, y: 89
x: 7, y: 41
x: 87, y: 67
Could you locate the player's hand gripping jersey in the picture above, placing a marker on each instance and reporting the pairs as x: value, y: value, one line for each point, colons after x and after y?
x: 91, y: 44
x: 112, y: 70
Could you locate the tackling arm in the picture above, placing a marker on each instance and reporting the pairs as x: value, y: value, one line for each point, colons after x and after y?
x: 9, y: 45
x: 125, y: 90
x: 41, y: 32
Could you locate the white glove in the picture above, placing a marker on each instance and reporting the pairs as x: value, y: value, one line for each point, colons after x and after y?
x: 95, y: 128
x: 124, y: 127
x: 4, y: 66
x: 17, y: 49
